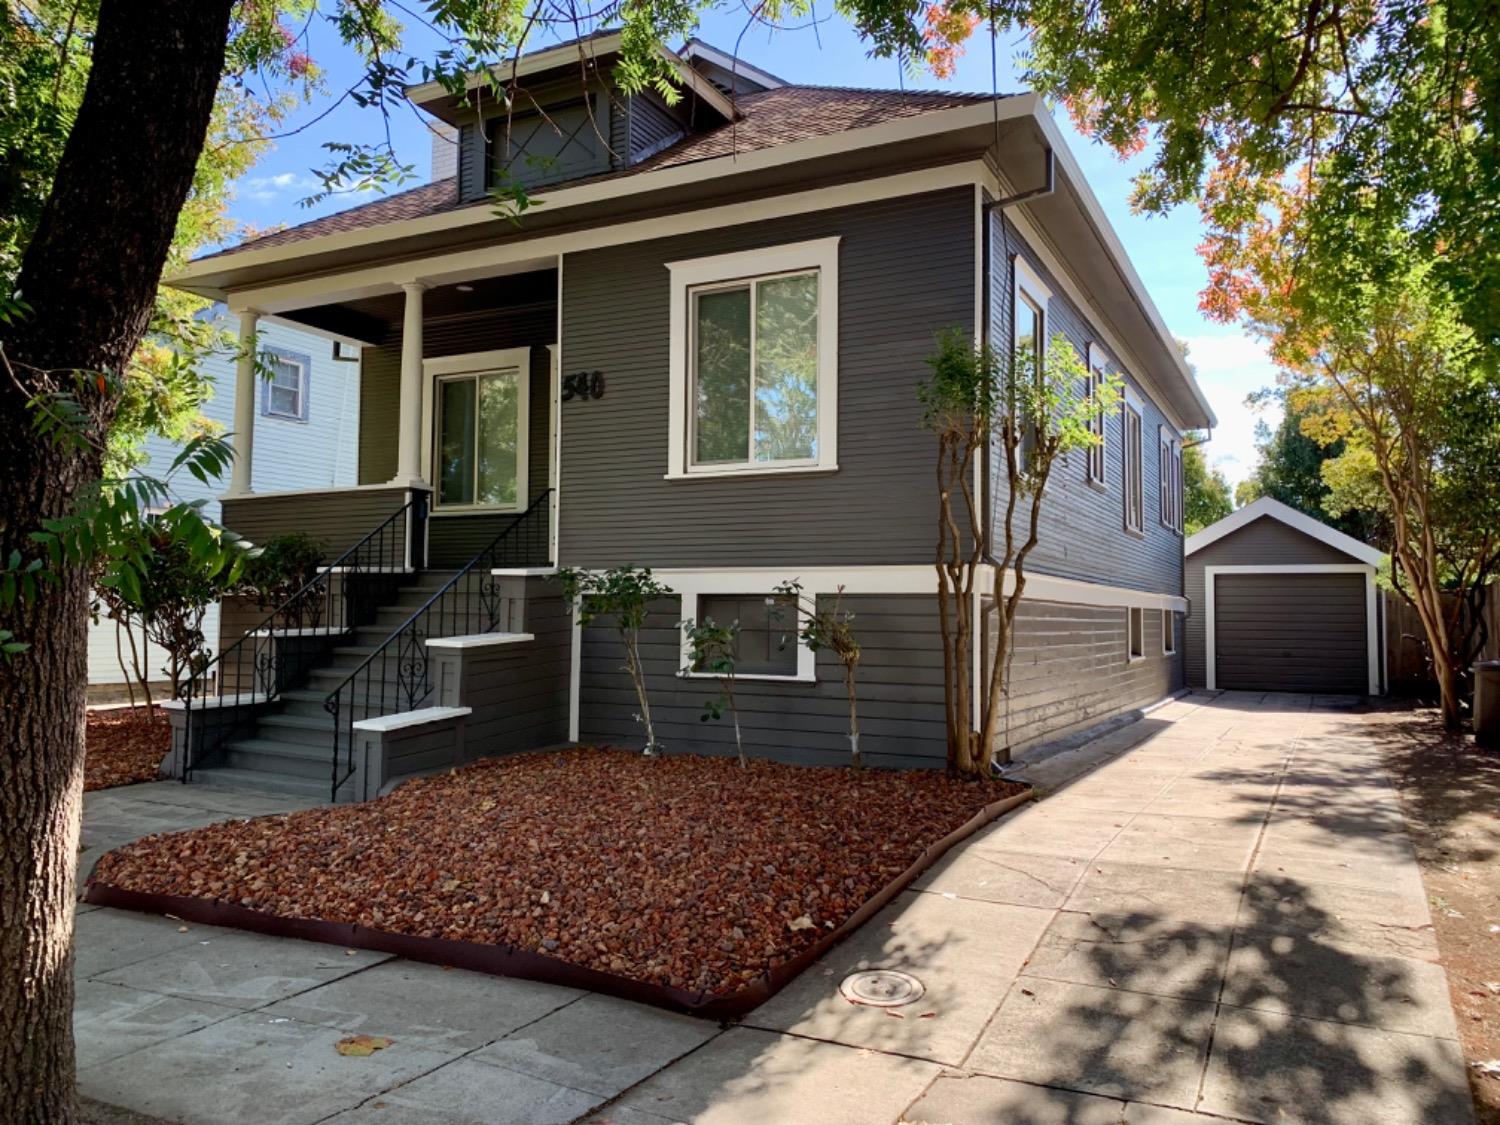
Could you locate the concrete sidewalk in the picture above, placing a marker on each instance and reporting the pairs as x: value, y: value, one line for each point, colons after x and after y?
x: 1224, y: 921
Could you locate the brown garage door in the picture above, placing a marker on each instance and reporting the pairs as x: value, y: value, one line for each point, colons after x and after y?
x: 1291, y: 632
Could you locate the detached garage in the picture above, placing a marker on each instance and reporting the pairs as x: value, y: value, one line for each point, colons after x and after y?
x: 1281, y: 602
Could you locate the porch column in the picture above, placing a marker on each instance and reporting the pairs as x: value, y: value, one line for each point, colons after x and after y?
x: 409, y: 432
x: 243, y: 440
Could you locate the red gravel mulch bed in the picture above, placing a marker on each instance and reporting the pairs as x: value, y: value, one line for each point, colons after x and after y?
x: 123, y: 747
x: 685, y: 873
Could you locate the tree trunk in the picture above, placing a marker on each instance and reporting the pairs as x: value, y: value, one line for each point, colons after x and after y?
x: 89, y: 276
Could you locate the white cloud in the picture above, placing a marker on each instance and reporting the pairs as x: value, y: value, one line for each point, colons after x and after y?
x: 1231, y: 365
x: 265, y: 189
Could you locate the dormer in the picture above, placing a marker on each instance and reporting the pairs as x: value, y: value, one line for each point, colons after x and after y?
x: 567, y: 118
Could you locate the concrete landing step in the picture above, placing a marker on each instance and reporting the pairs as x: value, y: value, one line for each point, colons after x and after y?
x: 262, y: 781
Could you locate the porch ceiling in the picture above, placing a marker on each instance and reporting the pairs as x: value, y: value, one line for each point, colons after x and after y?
x: 374, y: 320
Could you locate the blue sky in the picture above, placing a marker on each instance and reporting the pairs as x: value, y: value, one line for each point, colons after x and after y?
x: 1230, y: 364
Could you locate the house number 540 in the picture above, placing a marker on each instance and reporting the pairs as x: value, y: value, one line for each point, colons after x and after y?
x: 583, y: 384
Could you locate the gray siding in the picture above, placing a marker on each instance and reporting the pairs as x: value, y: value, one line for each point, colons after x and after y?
x: 1083, y: 532
x: 653, y: 126
x: 1291, y: 632
x: 337, y: 519
x: 1262, y: 542
x: 905, y: 272
x: 900, y: 685
x: 1071, y: 670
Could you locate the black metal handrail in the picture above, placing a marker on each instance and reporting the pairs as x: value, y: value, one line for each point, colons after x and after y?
x: 263, y: 660
x: 394, y: 678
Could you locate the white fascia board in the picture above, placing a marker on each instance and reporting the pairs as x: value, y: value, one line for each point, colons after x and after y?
x: 385, y: 723
x: 1121, y: 259
x: 697, y: 49
x: 532, y: 63
x: 701, y: 87
x: 1299, y: 521
x: 642, y: 184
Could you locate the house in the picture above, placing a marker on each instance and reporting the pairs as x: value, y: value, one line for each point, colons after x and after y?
x: 306, y: 432
x: 698, y: 351
x: 1283, y: 602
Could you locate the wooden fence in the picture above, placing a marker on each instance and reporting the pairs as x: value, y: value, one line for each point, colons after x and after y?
x: 1407, y: 666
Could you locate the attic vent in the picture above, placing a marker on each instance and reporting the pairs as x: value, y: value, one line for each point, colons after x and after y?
x: 882, y: 988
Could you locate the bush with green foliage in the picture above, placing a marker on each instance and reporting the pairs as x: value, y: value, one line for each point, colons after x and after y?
x: 711, y: 651
x: 281, y: 567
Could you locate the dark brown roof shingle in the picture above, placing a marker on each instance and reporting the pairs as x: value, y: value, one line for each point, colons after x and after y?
x: 768, y: 119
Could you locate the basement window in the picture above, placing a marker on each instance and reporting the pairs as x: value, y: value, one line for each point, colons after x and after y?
x: 1135, y: 621
x: 1168, y: 633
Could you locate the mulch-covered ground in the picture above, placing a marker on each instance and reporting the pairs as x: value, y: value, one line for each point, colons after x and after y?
x: 684, y: 871
x: 124, y: 747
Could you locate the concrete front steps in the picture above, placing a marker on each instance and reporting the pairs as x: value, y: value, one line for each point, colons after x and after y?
x: 291, y: 749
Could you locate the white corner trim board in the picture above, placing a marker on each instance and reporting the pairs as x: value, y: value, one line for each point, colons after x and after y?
x: 480, y: 640
x: 384, y: 724
x: 1372, y: 631
x: 1276, y: 510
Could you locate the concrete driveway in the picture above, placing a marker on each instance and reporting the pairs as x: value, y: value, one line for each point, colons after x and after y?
x: 1224, y: 920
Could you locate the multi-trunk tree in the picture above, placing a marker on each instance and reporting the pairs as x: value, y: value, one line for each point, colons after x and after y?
x: 1031, y: 409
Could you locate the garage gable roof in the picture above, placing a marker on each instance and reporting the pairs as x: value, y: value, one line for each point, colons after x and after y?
x: 1298, y: 521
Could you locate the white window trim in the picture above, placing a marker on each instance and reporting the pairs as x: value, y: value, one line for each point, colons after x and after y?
x: 1168, y: 633
x: 1099, y: 363
x: 722, y: 584
x: 1131, y: 612
x: 1372, y: 631
x: 1170, y: 497
x: 478, y: 363
x: 1030, y: 282
x: 820, y: 254
x: 1132, y: 476
x: 270, y: 411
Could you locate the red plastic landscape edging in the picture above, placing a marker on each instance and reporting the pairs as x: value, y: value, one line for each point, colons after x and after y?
x: 509, y: 961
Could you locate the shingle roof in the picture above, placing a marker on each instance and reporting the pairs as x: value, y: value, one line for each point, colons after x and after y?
x: 768, y: 118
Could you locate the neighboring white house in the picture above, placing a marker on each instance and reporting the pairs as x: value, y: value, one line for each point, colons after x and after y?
x: 306, y: 436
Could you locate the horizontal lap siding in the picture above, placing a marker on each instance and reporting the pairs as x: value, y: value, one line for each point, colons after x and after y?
x: 337, y: 520
x: 519, y: 693
x: 900, y: 693
x: 1070, y: 670
x: 1291, y: 632
x: 1262, y: 542
x: 906, y: 271
x: 1082, y: 531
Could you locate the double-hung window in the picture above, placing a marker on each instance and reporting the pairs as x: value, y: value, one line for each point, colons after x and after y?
x: 754, y: 361
x: 479, y: 447
x: 285, y: 391
x: 1169, y: 458
x: 1130, y: 451
x: 1098, y: 366
x: 1029, y: 354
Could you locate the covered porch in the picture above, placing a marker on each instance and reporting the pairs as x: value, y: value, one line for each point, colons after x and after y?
x: 457, y: 410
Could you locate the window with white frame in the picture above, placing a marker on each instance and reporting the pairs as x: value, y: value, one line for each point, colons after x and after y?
x: 1169, y: 466
x: 755, y: 361
x: 1097, y: 374
x: 766, y: 640
x: 1168, y: 633
x: 480, y: 443
x: 1130, y: 457
x: 1029, y: 332
x: 285, y: 391
x: 1135, y: 624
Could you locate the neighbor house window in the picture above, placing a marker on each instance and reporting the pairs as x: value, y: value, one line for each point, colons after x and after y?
x: 1170, y: 478
x: 1098, y: 366
x: 767, y: 641
x: 1130, y: 453
x: 284, y: 394
x: 754, y: 361
x: 479, y: 435
x: 1135, y: 622
x: 1168, y: 633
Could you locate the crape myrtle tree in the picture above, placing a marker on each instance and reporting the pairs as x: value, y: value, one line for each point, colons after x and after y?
x: 824, y: 625
x: 711, y: 651
x: 1031, y: 410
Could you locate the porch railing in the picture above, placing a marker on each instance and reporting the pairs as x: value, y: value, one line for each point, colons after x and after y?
x: 395, y: 677
x: 260, y: 665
